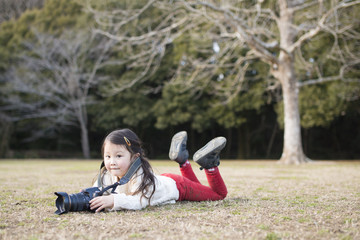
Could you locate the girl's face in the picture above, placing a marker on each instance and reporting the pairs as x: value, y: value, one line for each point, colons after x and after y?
x: 117, y: 159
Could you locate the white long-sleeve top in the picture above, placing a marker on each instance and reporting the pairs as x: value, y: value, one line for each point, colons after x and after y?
x: 166, y: 192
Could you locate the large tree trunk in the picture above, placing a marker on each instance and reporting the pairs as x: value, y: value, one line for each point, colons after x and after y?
x: 292, y: 150
x: 285, y: 72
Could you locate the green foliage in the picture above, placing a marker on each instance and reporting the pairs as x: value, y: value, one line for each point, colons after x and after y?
x: 124, y: 109
x: 176, y: 107
x: 59, y: 15
x: 321, y: 104
x: 232, y: 115
x: 55, y: 17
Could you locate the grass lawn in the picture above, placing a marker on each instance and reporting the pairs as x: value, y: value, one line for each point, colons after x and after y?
x: 320, y: 200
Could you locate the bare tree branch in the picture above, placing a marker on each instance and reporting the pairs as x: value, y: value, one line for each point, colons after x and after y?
x: 55, y: 76
x: 321, y: 24
x: 242, y: 32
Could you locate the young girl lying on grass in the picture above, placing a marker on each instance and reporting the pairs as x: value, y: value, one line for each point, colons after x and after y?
x: 122, y: 147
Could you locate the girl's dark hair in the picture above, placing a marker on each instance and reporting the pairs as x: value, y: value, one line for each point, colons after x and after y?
x: 133, y: 144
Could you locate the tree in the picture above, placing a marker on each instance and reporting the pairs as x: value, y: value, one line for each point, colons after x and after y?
x: 56, y: 78
x: 55, y: 17
x: 238, y: 34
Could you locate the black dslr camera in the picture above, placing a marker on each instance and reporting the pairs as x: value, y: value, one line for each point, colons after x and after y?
x: 77, y: 201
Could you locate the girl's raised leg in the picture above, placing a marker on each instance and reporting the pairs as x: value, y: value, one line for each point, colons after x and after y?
x: 180, y: 154
x: 187, y: 171
x: 216, y: 182
x: 208, y: 157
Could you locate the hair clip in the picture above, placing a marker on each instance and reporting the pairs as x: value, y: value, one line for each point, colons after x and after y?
x: 127, y: 141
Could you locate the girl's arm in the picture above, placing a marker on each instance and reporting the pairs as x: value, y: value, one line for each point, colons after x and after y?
x: 166, y: 192
x: 102, y: 202
x: 130, y: 202
x: 118, y: 201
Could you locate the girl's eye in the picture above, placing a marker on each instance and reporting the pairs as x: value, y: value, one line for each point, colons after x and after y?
x: 107, y: 156
x: 118, y: 156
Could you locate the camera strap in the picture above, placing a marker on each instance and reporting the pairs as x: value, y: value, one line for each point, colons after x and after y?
x: 125, y: 179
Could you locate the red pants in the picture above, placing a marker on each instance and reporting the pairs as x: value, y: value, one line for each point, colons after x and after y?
x: 190, y: 189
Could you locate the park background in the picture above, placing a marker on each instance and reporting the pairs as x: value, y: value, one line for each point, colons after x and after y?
x: 71, y: 71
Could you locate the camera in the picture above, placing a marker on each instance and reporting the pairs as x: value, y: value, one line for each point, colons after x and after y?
x: 77, y: 201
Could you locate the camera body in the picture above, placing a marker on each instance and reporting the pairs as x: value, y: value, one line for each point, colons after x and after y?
x: 77, y: 201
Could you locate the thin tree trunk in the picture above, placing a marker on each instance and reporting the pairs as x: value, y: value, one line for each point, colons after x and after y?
x: 229, y: 142
x: 85, y: 141
x: 243, y: 142
x: 5, y: 130
x: 84, y: 132
x: 272, y: 138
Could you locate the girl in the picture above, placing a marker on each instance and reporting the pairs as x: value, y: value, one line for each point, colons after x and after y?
x: 122, y: 147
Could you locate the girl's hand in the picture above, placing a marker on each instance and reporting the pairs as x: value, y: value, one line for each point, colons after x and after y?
x: 102, y: 202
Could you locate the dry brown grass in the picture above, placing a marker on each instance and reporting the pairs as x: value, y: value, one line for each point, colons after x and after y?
x: 320, y: 200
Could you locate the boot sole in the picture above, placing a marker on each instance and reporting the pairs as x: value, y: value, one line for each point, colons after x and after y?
x: 215, y: 145
x: 176, y: 144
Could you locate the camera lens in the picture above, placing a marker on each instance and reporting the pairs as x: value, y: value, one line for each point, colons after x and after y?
x: 75, y: 202
x: 79, y: 202
x: 72, y: 203
x: 62, y: 202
